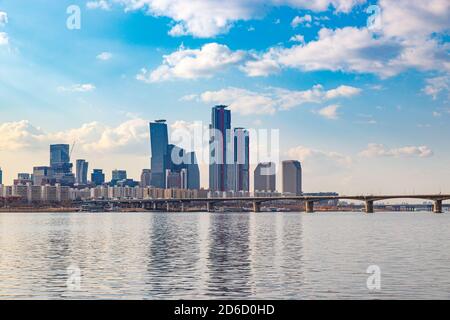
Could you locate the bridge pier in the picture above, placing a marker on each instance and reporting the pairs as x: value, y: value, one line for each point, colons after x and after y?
x: 182, y: 208
x: 437, y: 208
x: 209, y: 207
x: 167, y: 206
x: 369, y: 206
x: 309, y: 206
x: 256, y: 206
x: 154, y: 206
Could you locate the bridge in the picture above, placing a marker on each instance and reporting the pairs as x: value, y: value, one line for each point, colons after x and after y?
x: 155, y: 204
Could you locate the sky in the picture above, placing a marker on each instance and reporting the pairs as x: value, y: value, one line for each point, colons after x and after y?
x: 357, y: 90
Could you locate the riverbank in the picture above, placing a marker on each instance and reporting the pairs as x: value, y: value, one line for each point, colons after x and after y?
x: 37, y: 210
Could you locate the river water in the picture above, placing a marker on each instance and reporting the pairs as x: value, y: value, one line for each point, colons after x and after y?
x: 224, y: 256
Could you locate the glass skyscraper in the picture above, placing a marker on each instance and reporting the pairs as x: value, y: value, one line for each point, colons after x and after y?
x: 241, y: 165
x: 292, y: 178
x: 82, y: 172
x: 193, y: 172
x: 60, y: 164
x: 219, y: 138
x: 159, y: 142
x: 98, y: 177
x: 265, y: 177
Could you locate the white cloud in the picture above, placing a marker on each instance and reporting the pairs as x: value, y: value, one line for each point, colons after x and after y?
x: 378, y: 150
x: 209, y: 18
x: 241, y: 101
x: 306, y: 20
x: 437, y: 85
x: 99, y: 4
x: 406, y: 39
x: 87, y: 87
x: 19, y: 135
x: 262, y: 66
x: 104, y: 56
x: 349, y: 50
x: 130, y: 136
x: 330, y: 112
x: 193, y: 63
x: 3, y: 18
x: 342, y: 91
x: 247, y: 102
x: 297, y: 38
x: 408, y: 19
x: 309, y: 155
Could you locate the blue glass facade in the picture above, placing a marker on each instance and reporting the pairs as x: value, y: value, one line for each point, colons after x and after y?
x: 241, y: 167
x: 98, y: 177
x: 159, y: 142
x: 82, y: 172
x: 219, y: 138
x: 60, y: 164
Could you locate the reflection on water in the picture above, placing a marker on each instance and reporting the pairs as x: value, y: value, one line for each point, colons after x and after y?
x: 230, y: 255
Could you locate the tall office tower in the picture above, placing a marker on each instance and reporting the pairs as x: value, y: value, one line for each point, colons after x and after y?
x: 292, y: 177
x: 265, y: 177
x: 82, y: 172
x: 146, y: 178
x: 193, y: 172
x: 241, y: 163
x: 42, y: 176
x: 184, y: 179
x: 60, y: 164
x: 218, y: 145
x: 1, y: 176
x: 159, y: 142
x: 118, y: 175
x: 173, y: 179
x: 98, y: 177
x: 175, y: 158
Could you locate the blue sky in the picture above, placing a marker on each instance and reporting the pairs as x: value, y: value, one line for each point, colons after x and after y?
x: 357, y: 105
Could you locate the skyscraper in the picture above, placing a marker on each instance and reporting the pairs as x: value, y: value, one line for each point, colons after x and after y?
x: 98, y: 177
x: 42, y: 176
x: 118, y: 175
x: 173, y: 179
x: 146, y: 178
x: 265, y: 177
x: 241, y: 163
x: 60, y: 164
x: 159, y: 146
x: 292, y: 177
x: 218, y: 145
x: 82, y: 172
x: 193, y: 172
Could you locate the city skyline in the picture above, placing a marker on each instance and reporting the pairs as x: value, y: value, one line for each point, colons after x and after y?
x: 356, y: 120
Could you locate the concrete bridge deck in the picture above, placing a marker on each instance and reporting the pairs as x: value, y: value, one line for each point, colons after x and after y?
x: 257, y: 201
